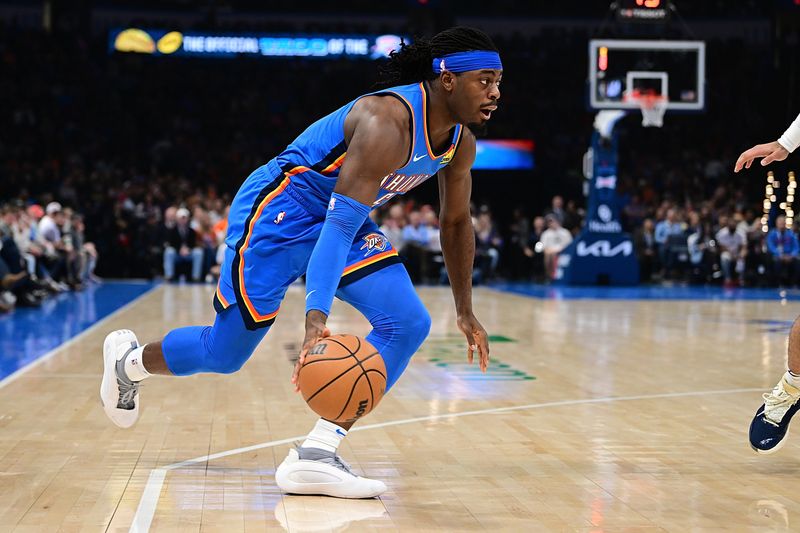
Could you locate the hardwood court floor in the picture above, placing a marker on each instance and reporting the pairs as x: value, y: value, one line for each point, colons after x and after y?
x: 596, y: 415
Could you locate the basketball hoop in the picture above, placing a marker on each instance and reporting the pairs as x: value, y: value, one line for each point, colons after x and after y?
x: 653, y: 107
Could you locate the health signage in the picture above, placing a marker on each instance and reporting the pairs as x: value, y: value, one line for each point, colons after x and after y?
x: 163, y: 42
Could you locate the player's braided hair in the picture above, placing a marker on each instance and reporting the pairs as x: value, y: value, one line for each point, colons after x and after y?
x: 413, y: 62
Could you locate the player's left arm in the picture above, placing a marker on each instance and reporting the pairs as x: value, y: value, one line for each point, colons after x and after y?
x: 458, y: 243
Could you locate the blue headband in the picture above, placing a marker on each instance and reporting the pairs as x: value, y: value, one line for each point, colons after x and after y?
x: 464, y: 61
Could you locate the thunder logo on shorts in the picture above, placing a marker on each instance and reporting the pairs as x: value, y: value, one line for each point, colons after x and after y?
x: 374, y: 242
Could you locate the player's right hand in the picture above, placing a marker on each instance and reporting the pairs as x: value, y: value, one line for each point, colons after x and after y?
x: 315, y: 330
x: 770, y: 152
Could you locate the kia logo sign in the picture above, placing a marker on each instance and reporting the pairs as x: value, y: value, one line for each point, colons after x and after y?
x: 604, y: 249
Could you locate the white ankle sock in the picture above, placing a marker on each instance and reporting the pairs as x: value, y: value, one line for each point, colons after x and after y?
x: 325, y: 436
x: 134, y: 366
x: 792, y: 379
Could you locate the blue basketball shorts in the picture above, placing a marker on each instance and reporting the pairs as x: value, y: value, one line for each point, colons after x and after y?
x: 272, y: 230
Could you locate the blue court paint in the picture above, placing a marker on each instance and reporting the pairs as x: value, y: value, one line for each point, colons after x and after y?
x: 28, y: 334
x: 646, y: 292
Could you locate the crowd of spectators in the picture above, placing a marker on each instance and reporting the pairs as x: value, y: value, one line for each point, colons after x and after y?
x: 42, y: 252
x: 728, y: 247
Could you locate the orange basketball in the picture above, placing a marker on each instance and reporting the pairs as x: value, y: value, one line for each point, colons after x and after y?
x: 343, y: 378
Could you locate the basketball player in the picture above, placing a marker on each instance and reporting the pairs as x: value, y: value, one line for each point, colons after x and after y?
x: 306, y: 212
x: 769, y: 426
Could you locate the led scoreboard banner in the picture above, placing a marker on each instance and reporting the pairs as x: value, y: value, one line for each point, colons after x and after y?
x: 643, y: 10
x: 203, y: 44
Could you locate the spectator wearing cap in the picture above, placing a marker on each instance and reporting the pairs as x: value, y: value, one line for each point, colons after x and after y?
x: 48, y: 226
x: 182, y: 247
x: 48, y: 234
x: 25, y: 230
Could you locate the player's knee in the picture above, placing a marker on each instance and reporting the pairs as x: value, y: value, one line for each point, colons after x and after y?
x: 417, y: 327
x: 222, y: 357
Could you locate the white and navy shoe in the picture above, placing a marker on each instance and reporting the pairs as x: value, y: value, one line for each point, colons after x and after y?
x: 316, y: 471
x: 120, y: 395
x: 771, y: 424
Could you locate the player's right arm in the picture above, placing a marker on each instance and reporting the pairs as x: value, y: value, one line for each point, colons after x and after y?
x: 774, y: 151
x: 378, y: 140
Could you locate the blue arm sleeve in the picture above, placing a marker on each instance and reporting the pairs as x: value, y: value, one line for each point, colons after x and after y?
x: 345, y: 216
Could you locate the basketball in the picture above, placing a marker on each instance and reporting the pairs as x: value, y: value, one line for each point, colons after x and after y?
x: 343, y: 378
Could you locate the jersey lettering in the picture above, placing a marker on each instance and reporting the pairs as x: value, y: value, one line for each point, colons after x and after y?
x: 383, y: 199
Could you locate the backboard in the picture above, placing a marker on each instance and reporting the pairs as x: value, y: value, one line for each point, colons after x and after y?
x: 674, y: 69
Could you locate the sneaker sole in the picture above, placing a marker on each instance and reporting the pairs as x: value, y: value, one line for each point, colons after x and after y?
x: 305, y: 490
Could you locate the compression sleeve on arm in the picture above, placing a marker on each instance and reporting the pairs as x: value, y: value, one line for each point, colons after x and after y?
x: 345, y: 216
x: 791, y: 137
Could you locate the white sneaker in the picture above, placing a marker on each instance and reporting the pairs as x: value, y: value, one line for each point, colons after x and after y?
x: 315, y: 471
x: 120, y: 396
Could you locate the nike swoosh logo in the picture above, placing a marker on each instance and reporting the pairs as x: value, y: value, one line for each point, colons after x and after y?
x: 340, y: 432
x: 417, y: 158
x: 310, y: 293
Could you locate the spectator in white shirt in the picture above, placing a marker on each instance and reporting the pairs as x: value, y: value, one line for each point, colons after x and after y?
x: 49, y: 232
x: 554, y: 239
x: 733, y: 249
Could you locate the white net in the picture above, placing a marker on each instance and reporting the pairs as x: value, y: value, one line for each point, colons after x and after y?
x: 653, y: 109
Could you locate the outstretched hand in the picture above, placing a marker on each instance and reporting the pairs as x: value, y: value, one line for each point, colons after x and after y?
x: 477, y: 339
x: 770, y: 152
x: 316, y: 330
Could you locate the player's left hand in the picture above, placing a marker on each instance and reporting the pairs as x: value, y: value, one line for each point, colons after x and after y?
x: 315, y: 331
x: 770, y: 152
x: 477, y: 339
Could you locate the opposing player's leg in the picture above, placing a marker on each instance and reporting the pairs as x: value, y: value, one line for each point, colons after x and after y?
x: 400, y: 324
x: 771, y: 422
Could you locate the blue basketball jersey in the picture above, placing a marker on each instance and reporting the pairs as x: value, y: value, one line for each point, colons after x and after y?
x: 313, y: 160
x: 278, y: 213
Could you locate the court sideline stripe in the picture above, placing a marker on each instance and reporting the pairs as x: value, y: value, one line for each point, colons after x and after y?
x: 152, y: 490
x: 69, y: 342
